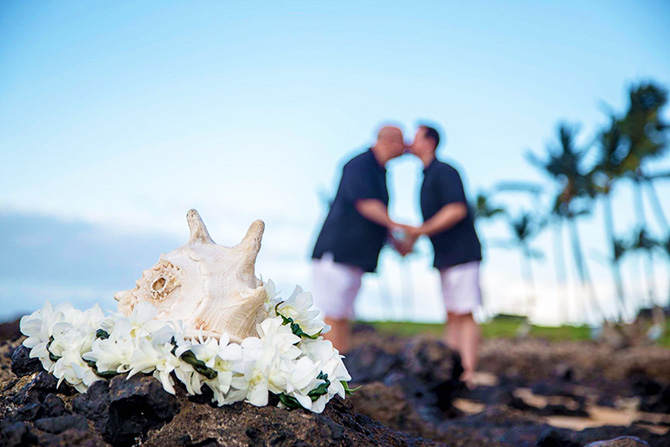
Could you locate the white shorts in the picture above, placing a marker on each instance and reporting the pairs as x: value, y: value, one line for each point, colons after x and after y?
x: 460, y: 288
x: 334, y: 287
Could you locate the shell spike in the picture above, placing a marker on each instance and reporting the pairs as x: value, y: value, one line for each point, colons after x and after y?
x: 199, y: 233
x: 250, y: 246
x: 252, y: 240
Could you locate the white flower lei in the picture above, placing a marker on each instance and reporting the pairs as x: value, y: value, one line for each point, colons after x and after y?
x: 289, y: 359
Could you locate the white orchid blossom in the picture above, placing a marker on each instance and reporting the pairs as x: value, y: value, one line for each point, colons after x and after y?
x: 289, y: 358
x: 299, y: 308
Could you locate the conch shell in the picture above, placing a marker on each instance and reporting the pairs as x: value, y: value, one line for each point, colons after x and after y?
x: 212, y: 288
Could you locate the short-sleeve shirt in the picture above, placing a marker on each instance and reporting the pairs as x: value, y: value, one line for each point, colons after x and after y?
x: 459, y: 244
x: 351, y: 238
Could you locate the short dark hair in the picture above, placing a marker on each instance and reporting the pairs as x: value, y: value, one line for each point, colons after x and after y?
x: 432, y: 134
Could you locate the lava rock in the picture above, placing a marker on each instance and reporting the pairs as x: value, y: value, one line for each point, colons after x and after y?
x: 642, y: 385
x: 553, y: 437
x: 71, y: 437
x: 29, y: 412
x: 146, y: 390
x: 22, y: 364
x: 14, y: 434
x: 242, y: 424
x: 125, y: 409
x: 37, y: 389
x: 59, y: 424
x: 370, y: 363
x: 657, y: 403
x: 424, y: 368
x: 623, y: 441
x: 431, y: 361
x: 54, y: 406
x: 94, y: 404
x: 388, y: 405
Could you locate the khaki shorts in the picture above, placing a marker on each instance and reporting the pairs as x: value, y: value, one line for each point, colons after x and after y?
x: 460, y: 288
x: 334, y: 287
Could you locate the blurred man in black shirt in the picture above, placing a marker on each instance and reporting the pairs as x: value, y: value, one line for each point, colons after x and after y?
x: 353, y: 234
x: 449, y: 223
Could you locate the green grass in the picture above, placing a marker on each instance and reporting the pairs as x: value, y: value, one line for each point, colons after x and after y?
x: 665, y: 340
x: 499, y: 327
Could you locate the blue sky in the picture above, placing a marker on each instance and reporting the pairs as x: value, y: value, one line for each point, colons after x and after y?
x: 119, y: 117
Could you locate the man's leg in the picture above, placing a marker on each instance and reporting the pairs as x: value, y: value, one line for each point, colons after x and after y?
x: 452, y: 331
x: 335, y: 287
x: 469, y: 345
x: 460, y: 288
x: 462, y: 334
x: 339, y: 334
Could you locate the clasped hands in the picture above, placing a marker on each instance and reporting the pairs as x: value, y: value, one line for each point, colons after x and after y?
x: 403, y: 238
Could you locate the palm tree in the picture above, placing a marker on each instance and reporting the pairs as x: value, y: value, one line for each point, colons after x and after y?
x: 664, y: 246
x: 536, y: 191
x: 644, y: 243
x: 484, y: 208
x: 643, y: 127
x: 646, y: 136
x: 648, y: 179
x: 524, y: 227
x: 609, y: 168
x: 564, y: 166
x: 641, y: 241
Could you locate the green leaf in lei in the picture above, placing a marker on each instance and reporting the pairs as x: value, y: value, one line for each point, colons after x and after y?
x: 289, y: 401
x: 348, y: 391
x: 295, y: 327
x: 321, y: 389
x: 103, y: 374
x: 198, y: 365
x: 52, y: 357
x: 101, y: 333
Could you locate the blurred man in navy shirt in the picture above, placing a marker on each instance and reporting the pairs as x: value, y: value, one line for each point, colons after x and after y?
x: 353, y: 234
x: 449, y: 223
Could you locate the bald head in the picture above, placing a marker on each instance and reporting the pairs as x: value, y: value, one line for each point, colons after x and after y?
x: 389, y: 133
x: 390, y: 143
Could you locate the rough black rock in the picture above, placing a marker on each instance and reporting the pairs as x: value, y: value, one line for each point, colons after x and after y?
x: 37, y: 389
x: 370, y: 363
x: 22, y: 364
x: 552, y: 437
x: 424, y: 368
x: 622, y: 441
x: 15, y: 434
x: 59, y: 424
x: 125, y: 409
x: 30, y: 412
x: 54, y: 406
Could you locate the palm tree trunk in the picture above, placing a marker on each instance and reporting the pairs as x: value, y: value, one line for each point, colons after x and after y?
x: 561, y: 274
x: 656, y: 206
x: 527, y: 272
x: 614, y: 260
x: 651, y: 292
x: 583, y: 270
x: 642, y: 225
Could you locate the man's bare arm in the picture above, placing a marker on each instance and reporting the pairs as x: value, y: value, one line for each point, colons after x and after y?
x: 448, y: 216
x: 374, y: 210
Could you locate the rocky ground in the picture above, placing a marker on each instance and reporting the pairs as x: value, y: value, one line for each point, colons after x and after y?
x: 530, y: 393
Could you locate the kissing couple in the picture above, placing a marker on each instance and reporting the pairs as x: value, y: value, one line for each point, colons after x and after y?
x: 358, y: 225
